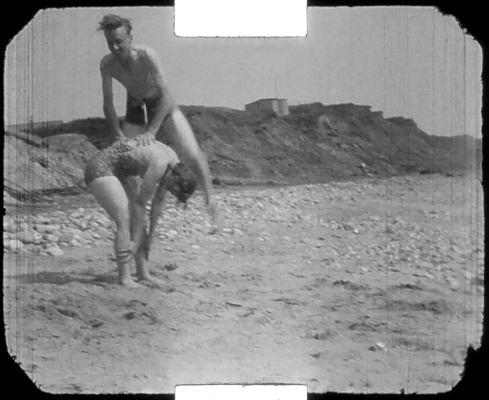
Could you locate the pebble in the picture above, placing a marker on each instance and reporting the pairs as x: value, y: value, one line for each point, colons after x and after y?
x: 29, y: 236
x: 51, y: 238
x: 13, y: 244
x: 55, y: 251
x: 414, y: 248
x: 453, y: 282
x: 379, y: 346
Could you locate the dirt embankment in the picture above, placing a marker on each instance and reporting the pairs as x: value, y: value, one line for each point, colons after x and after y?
x: 315, y: 143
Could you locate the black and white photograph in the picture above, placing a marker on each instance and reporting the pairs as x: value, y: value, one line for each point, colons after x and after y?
x: 301, y: 210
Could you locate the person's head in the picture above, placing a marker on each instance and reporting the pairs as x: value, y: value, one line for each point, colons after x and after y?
x: 118, y: 33
x: 182, y: 182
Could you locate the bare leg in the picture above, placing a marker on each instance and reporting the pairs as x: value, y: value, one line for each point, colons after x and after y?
x: 131, y: 187
x: 182, y: 140
x: 110, y: 193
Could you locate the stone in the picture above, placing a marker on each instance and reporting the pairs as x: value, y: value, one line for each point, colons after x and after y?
x: 52, y: 238
x: 74, y: 243
x: 94, y: 225
x: 55, y: 251
x: 10, y: 227
x: 453, y: 282
x: 13, y: 244
x: 66, y: 237
x: 52, y: 228
x: 29, y: 236
x: 83, y: 225
x: 40, y: 219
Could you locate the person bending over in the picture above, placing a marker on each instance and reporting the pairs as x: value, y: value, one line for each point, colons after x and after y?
x: 161, y: 171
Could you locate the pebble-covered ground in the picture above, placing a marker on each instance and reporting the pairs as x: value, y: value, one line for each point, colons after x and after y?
x: 373, y: 285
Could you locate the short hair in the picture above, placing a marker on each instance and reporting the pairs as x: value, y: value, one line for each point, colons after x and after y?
x: 185, y: 180
x: 111, y: 21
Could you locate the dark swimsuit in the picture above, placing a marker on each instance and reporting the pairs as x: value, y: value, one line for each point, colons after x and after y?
x: 135, y: 109
x: 119, y: 160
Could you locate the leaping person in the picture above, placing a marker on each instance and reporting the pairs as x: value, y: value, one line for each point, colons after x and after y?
x: 139, y: 70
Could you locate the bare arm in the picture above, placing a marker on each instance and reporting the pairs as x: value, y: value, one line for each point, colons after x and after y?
x: 167, y: 102
x: 109, y: 108
x: 156, y: 209
x: 152, y: 177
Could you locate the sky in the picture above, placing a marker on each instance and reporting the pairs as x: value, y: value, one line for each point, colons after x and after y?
x: 411, y: 62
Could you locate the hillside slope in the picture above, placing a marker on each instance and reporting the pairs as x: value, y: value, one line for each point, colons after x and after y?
x: 315, y: 143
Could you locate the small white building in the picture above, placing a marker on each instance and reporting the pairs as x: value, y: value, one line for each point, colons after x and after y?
x: 279, y: 106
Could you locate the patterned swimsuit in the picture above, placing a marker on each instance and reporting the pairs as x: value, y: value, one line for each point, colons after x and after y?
x: 120, y: 160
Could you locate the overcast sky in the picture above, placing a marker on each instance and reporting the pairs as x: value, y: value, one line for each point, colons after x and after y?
x: 404, y: 61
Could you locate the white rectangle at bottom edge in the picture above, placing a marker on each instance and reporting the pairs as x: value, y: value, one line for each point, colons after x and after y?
x: 241, y: 392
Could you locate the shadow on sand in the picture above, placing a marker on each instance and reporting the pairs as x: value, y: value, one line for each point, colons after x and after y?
x: 64, y: 278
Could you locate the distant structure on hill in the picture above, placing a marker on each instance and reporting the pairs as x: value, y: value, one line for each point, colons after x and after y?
x: 279, y: 106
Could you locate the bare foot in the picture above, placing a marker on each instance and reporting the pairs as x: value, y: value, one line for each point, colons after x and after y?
x: 129, y: 283
x: 153, y: 282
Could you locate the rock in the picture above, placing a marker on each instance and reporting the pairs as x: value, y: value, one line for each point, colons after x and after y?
x: 348, y: 227
x: 52, y: 228
x: 69, y: 235
x: 94, y: 225
x: 83, y: 225
x: 9, y: 227
x: 55, y: 251
x: 30, y: 236
x: 102, y: 220
x: 39, y: 228
x: 379, y: 346
x: 52, y: 238
x: 453, y: 282
x: 13, y: 244
x: 238, y: 232
x: 399, y: 221
x: 65, y: 237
